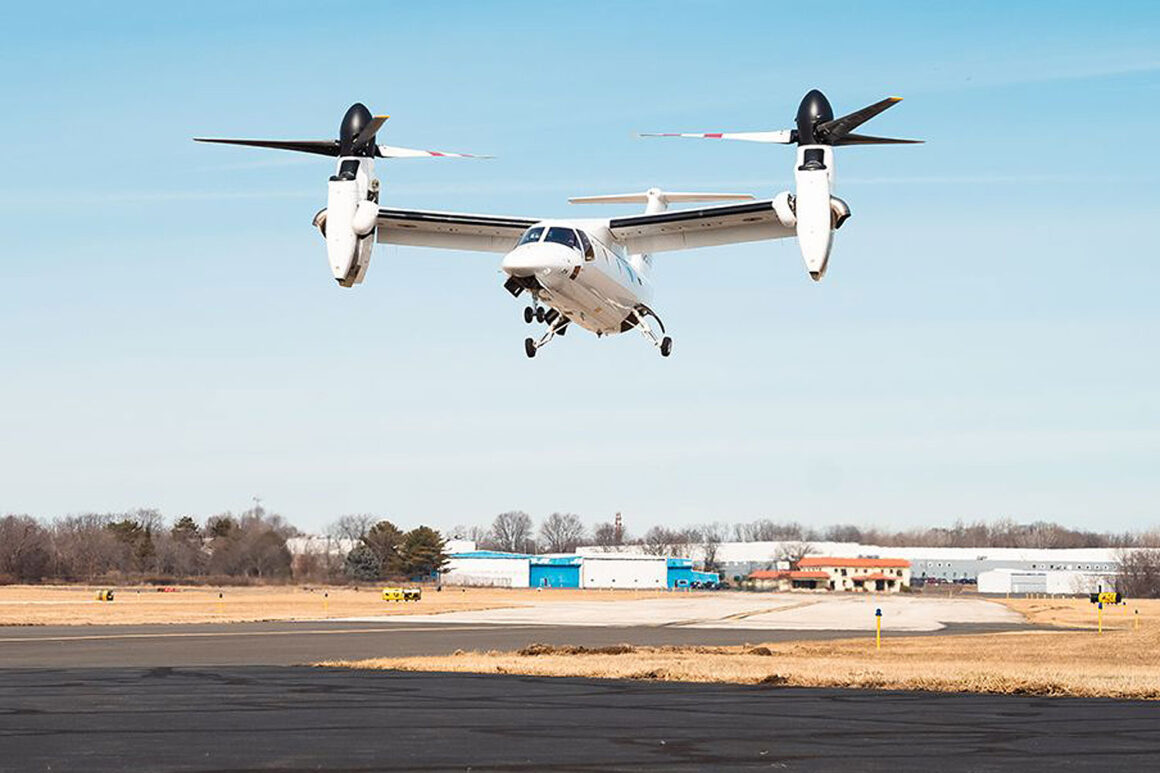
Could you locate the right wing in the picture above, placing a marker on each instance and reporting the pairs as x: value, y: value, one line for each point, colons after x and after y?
x: 683, y: 229
x: 451, y: 230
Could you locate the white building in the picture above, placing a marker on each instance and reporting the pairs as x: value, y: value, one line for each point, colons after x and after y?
x: 1050, y: 581
x: 623, y: 570
x: 488, y: 568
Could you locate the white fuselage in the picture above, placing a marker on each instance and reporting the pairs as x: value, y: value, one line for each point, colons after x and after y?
x: 596, y: 285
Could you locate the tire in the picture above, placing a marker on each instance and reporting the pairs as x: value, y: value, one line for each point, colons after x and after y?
x: 529, y: 314
x: 539, y: 314
x: 529, y: 347
x: 666, y: 346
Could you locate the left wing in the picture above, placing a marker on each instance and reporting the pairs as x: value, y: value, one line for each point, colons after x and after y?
x: 684, y: 229
x: 451, y: 230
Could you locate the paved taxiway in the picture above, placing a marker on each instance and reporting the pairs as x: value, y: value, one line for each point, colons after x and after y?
x: 291, y: 643
x: 251, y: 718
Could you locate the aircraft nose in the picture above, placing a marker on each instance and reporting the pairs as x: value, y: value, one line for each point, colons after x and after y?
x: 538, y: 260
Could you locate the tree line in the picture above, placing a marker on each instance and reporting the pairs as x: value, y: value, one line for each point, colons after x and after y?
x: 250, y: 547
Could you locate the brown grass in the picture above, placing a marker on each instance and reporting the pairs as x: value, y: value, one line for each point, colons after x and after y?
x: 1081, y: 613
x: 1118, y: 663
x: 75, y: 605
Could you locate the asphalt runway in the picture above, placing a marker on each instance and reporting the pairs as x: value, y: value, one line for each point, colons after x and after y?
x: 284, y: 718
x: 301, y: 643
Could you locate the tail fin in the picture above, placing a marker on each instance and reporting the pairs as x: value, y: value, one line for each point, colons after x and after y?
x: 656, y: 200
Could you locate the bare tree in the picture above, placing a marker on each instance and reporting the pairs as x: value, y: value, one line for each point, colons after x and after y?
x: 1139, y: 573
x: 512, y: 532
x: 25, y: 549
x: 794, y: 552
x: 561, y: 532
x: 352, y: 527
x: 712, y: 535
x: 662, y: 541
x: 607, y: 536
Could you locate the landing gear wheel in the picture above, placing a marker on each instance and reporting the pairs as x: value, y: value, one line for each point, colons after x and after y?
x: 539, y: 314
x: 666, y: 346
x: 529, y: 314
x: 529, y: 347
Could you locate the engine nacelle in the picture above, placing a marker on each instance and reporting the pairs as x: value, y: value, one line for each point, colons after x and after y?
x: 349, y: 221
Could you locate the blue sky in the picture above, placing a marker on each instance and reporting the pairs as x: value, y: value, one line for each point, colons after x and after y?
x: 983, y: 345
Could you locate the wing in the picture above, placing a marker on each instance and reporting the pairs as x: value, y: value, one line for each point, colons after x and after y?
x: 451, y: 230
x: 685, y: 229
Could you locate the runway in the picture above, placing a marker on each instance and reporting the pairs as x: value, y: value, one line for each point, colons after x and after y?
x: 253, y: 718
x: 300, y: 643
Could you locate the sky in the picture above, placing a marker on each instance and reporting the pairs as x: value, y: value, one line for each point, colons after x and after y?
x: 983, y: 345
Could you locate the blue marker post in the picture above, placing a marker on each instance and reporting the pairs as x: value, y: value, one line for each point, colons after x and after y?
x: 878, y: 628
x: 1100, y: 616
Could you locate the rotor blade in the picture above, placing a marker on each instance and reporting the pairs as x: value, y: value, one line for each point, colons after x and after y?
x: 389, y: 151
x: 317, y: 147
x: 839, y: 127
x: 367, y: 133
x: 866, y: 139
x: 780, y: 137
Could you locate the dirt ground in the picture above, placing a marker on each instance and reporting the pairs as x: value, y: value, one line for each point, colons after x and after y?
x: 78, y: 605
x: 1121, y: 662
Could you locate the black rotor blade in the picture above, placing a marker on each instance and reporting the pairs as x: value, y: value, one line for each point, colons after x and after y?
x: 866, y: 139
x: 368, y: 132
x: 317, y: 147
x: 839, y: 127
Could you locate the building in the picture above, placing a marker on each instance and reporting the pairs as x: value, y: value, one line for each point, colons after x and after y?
x: 554, y: 571
x: 1051, y: 581
x: 488, y: 568
x: 887, y: 575
x: 681, y: 574
x: 624, y: 570
x: 738, y: 559
x: 788, y: 579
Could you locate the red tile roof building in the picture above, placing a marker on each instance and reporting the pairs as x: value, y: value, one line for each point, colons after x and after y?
x: 887, y: 575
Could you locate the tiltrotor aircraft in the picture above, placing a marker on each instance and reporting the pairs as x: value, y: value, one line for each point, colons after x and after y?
x: 594, y: 272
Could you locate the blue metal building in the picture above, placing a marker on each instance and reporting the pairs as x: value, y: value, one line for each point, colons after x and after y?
x: 554, y: 572
x: 682, y: 574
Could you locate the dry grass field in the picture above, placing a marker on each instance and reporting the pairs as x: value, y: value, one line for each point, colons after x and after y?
x: 1121, y: 662
x: 76, y: 605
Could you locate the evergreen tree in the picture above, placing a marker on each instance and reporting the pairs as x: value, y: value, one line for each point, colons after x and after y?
x: 362, y: 564
x: 422, y: 552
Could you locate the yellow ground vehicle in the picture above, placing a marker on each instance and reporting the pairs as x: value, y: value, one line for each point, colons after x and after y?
x: 402, y: 594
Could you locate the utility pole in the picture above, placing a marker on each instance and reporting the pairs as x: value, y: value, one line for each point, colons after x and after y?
x: 619, y: 529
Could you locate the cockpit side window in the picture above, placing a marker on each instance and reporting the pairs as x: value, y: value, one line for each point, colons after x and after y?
x: 532, y: 235
x: 589, y: 253
x: 565, y: 236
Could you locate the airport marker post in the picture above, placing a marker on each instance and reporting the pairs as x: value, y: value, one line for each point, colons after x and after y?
x: 1100, y: 616
x: 1136, y: 625
x: 878, y: 628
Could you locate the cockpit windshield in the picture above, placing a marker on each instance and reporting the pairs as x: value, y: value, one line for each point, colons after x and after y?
x: 532, y: 235
x: 565, y: 236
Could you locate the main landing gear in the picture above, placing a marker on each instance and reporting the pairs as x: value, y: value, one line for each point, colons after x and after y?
x: 664, y: 342
x: 557, y: 325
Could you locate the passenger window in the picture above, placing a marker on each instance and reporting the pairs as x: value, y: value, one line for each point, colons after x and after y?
x: 589, y: 253
x: 565, y: 236
x: 532, y: 235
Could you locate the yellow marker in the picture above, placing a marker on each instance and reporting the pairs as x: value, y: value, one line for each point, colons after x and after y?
x: 1100, y: 616
x: 326, y: 604
x: 878, y: 629
x: 1137, y: 626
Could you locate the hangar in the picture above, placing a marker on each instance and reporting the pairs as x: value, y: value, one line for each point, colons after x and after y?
x: 490, y: 568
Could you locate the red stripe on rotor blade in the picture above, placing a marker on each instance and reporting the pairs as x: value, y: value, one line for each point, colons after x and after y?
x: 715, y: 135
